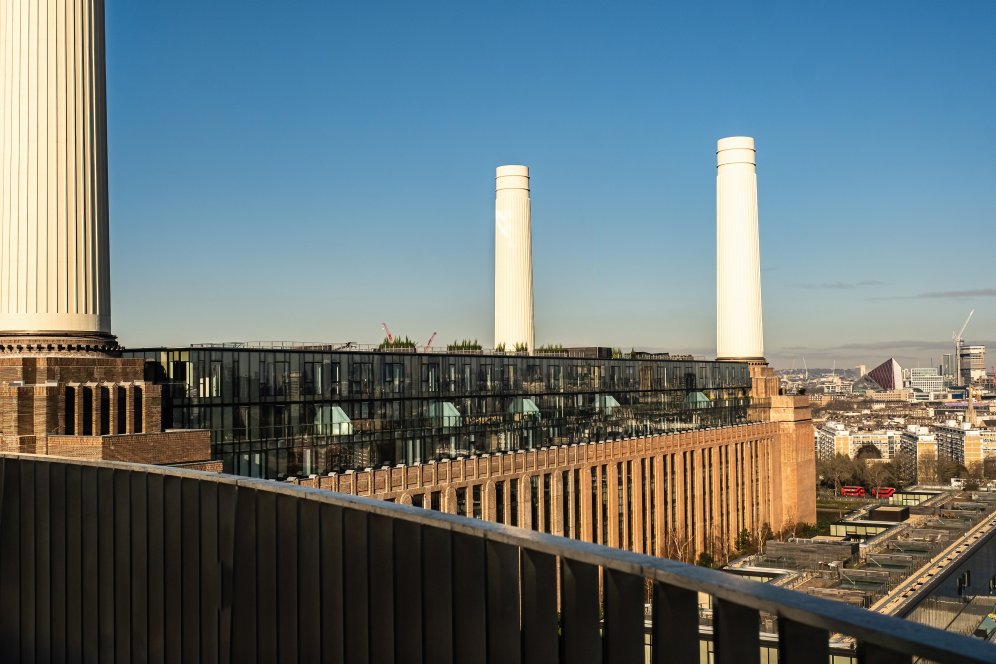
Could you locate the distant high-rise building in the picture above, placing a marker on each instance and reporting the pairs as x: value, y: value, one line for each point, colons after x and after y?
x: 972, y: 360
x: 861, y: 369
x: 948, y: 366
x: 926, y: 380
x: 513, y: 260
x: 888, y: 375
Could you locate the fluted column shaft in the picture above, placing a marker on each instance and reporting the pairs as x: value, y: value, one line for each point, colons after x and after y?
x: 739, y: 330
x: 513, y: 259
x: 54, y: 267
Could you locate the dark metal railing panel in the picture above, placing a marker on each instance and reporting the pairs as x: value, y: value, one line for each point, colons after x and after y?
x: 580, y: 640
x: 624, y: 626
x: 190, y: 572
x: 57, y: 561
x: 172, y: 625
x: 539, y: 608
x: 10, y: 557
x: 227, y: 520
x: 90, y: 563
x: 675, y: 630
x: 117, y: 562
x: 470, y: 598
x: 735, y: 633
x: 74, y: 562
x: 244, y: 594
x: 155, y: 571
x: 139, y: 572
x: 504, y: 633
x: 122, y: 554
x: 437, y: 595
x: 43, y: 564
x: 332, y: 584
x: 104, y: 581
x: 210, y: 574
x: 356, y: 577
x: 28, y: 562
x: 309, y: 607
x: 382, y: 619
x: 267, y: 631
x: 802, y: 643
x: 408, y: 593
x: 288, y: 585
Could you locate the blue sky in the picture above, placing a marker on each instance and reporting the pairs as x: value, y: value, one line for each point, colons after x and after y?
x: 308, y: 169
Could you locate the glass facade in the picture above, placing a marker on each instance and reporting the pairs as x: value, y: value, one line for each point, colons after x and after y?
x: 276, y: 412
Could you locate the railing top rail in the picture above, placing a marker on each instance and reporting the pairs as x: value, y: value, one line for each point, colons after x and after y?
x: 889, y: 632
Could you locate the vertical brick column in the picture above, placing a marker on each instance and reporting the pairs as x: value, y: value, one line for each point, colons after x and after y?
x: 556, y: 519
x: 587, y: 525
x: 640, y: 498
x: 678, y: 527
x: 97, y: 408
x: 114, y: 406
x: 614, y: 508
x: 129, y: 406
x: 490, y: 504
x: 526, y: 503
x: 78, y: 415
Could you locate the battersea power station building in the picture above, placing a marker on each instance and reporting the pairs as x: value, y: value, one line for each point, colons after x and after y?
x: 658, y: 454
x: 652, y: 453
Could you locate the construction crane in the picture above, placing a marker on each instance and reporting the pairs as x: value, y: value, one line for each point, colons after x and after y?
x: 958, y: 341
x: 390, y: 337
x: 428, y: 343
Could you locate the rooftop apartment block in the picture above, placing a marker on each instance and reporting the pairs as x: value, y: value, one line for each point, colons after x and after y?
x: 304, y: 410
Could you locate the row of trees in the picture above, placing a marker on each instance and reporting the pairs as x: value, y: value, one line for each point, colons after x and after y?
x: 841, y: 470
x: 902, y: 470
x: 719, y: 551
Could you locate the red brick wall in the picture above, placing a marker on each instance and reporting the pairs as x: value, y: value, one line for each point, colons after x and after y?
x: 163, y: 448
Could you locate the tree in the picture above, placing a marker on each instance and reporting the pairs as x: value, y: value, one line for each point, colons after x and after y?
x: 903, y: 469
x: 868, y: 451
x: 744, y: 543
x: 878, y: 475
x: 677, y: 545
x: 949, y: 468
x: 705, y: 560
x: 837, y: 471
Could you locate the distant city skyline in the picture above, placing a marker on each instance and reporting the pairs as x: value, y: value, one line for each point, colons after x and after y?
x: 310, y: 173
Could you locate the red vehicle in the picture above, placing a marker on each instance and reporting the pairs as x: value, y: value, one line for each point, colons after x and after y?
x: 852, y: 491
x: 883, y: 492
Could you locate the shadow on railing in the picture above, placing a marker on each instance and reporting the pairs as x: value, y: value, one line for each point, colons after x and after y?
x: 127, y: 562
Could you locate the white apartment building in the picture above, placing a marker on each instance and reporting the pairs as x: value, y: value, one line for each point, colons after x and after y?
x: 961, y: 442
x: 834, y: 438
x: 927, y: 381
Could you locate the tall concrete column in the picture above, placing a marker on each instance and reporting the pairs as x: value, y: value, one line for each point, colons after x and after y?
x: 54, y: 268
x: 513, y: 259
x: 739, y: 332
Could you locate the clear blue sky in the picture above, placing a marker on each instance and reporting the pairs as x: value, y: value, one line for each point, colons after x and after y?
x: 308, y: 169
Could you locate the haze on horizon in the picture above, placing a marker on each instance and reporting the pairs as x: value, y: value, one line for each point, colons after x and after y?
x: 311, y: 172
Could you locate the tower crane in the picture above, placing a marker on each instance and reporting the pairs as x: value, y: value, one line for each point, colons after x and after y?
x: 958, y: 341
x: 390, y: 337
x: 428, y: 343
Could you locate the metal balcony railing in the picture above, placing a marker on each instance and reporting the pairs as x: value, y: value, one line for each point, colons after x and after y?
x: 121, y: 562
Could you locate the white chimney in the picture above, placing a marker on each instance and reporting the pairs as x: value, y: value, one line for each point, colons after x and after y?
x: 739, y: 331
x: 513, y: 259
